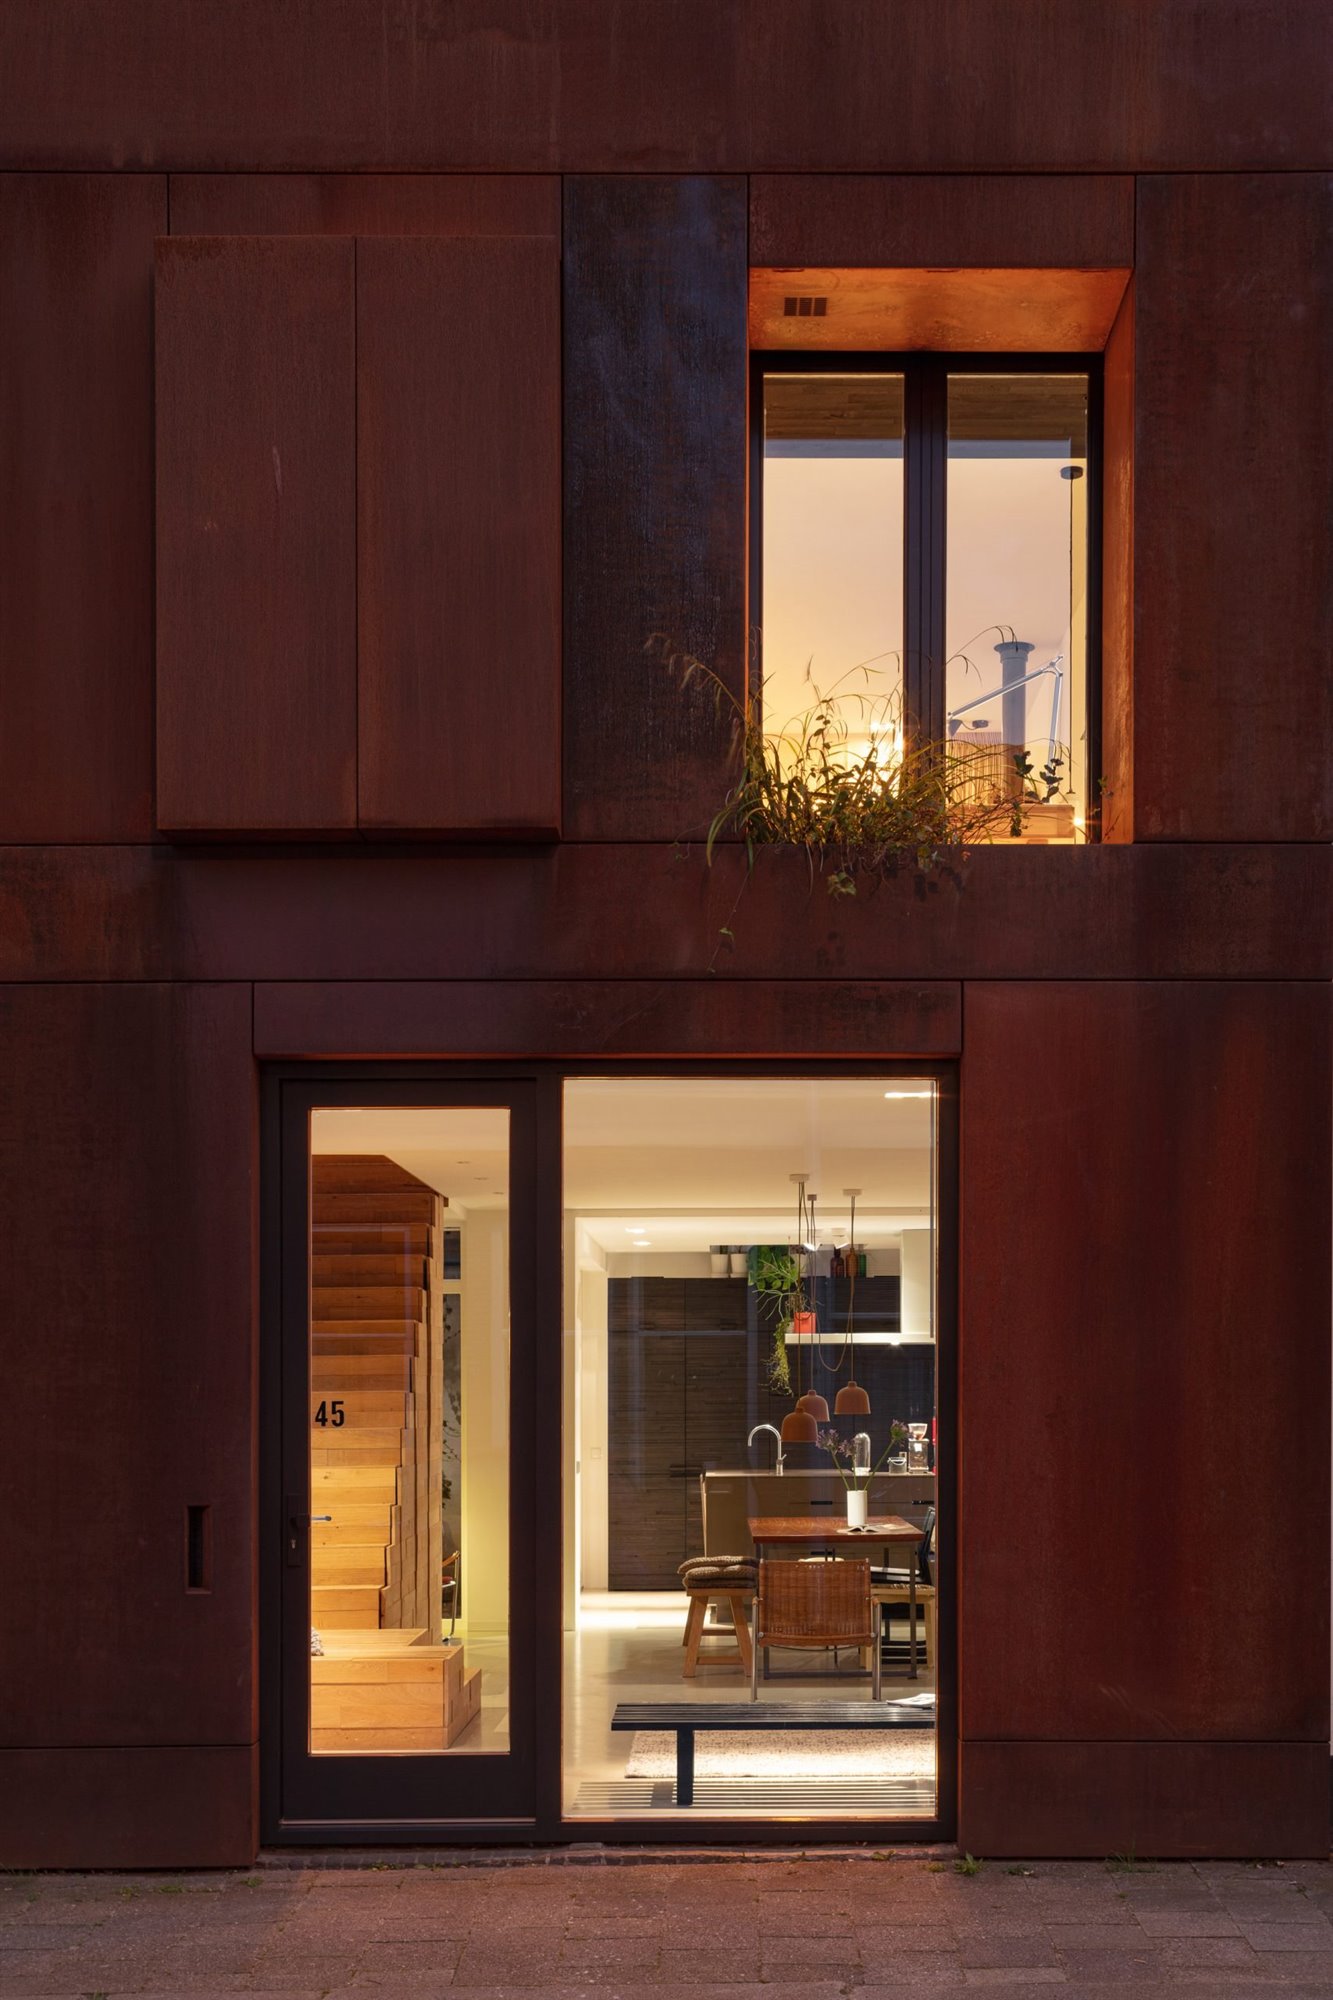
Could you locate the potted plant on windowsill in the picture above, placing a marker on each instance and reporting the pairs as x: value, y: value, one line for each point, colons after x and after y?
x: 845, y: 784
x: 855, y: 1469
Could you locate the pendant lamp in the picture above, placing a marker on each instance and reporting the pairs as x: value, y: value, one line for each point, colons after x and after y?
x: 799, y: 1427
x: 852, y: 1400
x: 814, y: 1405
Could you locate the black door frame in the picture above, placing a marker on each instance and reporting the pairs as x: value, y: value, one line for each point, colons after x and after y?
x: 396, y: 1789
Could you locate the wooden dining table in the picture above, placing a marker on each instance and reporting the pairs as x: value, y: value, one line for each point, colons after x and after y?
x: 832, y: 1533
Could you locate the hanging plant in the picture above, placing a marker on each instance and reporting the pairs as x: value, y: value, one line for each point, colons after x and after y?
x: 775, y: 1276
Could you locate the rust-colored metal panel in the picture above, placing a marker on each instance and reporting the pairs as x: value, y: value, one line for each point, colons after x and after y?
x: 607, y: 1017
x: 458, y: 534
x: 867, y: 85
x: 1233, y: 703
x: 655, y: 480
x: 192, y: 1807
x: 621, y: 912
x: 256, y: 535
x: 76, y: 497
x: 957, y: 221
x: 975, y: 311
x: 1193, y: 1800
x: 127, y: 1290
x: 365, y: 205
x: 1144, y: 1362
x: 1117, y: 759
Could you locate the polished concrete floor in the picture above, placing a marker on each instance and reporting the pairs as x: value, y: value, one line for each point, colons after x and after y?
x: 861, y: 1924
x: 635, y: 1655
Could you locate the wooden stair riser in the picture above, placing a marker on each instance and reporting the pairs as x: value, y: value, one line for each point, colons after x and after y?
x: 348, y: 1565
x: 373, y: 1269
x: 375, y: 1742
x: 353, y: 1523
x: 356, y: 1486
x: 400, y: 1302
x: 395, y: 1332
x: 381, y: 1408
x: 379, y: 1458
x: 393, y: 1358
x: 419, y: 1698
x: 372, y: 1347
x: 355, y: 1239
x: 344, y: 1608
x: 346, y: 1210
x: 378, y: 1372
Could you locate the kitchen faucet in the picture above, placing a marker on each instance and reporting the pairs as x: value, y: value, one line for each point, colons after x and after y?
x: 777, y: 1434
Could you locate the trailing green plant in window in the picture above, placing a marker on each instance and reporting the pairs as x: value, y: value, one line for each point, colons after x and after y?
x: 775, y: 1278
x: 843, y: 783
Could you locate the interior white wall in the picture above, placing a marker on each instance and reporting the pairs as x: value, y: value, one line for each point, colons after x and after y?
x: 659, y: 1264
x: 484, y: 1377
x: 917, y: 1306
x: 590, y: 1428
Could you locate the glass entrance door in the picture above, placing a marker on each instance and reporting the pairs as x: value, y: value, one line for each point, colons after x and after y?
x: 405, y: 1570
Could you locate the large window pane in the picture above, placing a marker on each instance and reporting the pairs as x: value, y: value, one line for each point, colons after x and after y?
x: 685, y: 1354
x: 409, y: 1417
x: 832, y: 613
x: 1017, y: 604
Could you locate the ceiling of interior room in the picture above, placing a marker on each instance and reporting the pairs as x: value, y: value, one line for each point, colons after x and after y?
x: 698, y: 1160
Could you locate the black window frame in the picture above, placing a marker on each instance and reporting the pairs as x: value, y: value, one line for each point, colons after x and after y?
x: 925, y: 514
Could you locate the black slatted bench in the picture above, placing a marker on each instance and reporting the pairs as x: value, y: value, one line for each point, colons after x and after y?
x: 686, y: 1717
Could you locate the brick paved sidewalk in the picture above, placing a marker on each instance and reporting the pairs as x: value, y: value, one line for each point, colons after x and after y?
x: 885, y: 1928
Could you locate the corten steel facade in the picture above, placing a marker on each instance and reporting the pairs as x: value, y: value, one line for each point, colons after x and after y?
x: 235, y: 833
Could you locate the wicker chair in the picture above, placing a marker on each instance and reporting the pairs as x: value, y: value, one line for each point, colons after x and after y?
x: 815, y: 1604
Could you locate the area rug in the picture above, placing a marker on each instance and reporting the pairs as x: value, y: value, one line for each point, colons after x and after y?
x: 779, y: 1753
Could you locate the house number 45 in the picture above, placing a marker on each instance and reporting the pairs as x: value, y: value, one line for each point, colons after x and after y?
x: 331, y: 1413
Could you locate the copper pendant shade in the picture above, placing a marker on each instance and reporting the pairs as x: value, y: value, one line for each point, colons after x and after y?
x: 814, y: 1404
x: 799, y: 1427
x: 851, y: 1401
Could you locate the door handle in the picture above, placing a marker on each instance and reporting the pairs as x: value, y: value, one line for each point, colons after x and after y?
x: 297, y: 1521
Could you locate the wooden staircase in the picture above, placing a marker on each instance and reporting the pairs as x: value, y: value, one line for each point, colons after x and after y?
x: 376, y: 1400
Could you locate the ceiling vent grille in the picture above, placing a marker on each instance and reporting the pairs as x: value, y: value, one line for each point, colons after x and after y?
x: 805, y: 308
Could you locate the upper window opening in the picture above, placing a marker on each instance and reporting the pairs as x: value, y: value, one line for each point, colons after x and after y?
x: 924, y: 558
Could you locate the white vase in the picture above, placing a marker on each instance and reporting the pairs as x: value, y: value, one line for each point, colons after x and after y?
x: 858, y: 1499
x: 740, y: 1263
x: 719, y: 1262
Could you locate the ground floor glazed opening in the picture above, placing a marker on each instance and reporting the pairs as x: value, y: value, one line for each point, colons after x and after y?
x: 751, y: 1443
x: 610, y: 1429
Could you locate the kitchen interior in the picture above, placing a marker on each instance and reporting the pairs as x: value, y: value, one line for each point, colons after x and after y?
x: 750, y: 1312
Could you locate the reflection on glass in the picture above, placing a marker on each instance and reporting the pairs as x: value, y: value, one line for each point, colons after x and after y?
x: 833, y: 542
x: 1017, y: 572
x: 698, y: 1308
x: 409, y: 1413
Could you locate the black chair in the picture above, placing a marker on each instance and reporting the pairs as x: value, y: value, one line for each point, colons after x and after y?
x: 449, y: 1581
x: 889, y: 1586
x: 925, y: 1558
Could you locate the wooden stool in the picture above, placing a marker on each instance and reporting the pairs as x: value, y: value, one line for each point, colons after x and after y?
x: 738, y: 1598
x: 896, y: 1594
